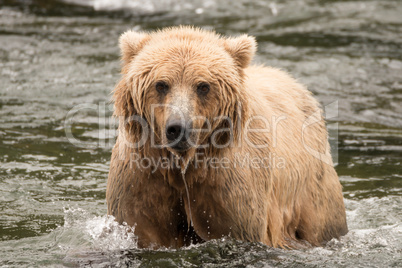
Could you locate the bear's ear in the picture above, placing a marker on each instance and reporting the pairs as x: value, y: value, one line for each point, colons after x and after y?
x: 242, y: 49
x: 126, y: 110
x: 131, y: 43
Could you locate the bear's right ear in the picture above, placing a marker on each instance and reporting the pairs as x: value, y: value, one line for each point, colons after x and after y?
x: 131, y: 43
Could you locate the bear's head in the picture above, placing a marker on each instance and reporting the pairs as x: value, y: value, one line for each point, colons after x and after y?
x: 181, y: 89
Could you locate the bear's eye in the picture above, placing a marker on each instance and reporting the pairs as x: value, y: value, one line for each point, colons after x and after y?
x: 162, y: 87
x: 203, y: 89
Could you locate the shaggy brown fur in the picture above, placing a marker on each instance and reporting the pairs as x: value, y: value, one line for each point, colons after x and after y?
x: 297, y: 199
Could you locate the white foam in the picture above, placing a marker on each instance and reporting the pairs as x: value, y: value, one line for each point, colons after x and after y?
x: 150, y: 6
x: 98, y: 232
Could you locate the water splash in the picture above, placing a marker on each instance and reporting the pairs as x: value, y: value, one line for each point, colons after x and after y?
x: 98, y: 232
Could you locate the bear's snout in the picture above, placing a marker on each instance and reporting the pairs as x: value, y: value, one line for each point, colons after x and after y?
x: 178, y: 134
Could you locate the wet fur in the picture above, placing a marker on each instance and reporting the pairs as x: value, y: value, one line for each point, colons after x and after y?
x: 296, y: 205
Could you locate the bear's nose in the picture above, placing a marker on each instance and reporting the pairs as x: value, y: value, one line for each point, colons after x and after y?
x: 174, y: 131
x: 177, y: 134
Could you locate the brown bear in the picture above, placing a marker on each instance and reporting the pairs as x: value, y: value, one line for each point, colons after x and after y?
x: 209, y: 146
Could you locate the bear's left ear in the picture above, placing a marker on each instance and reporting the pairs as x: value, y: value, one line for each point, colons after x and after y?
x: 131, y: 43
x: 242, y: 49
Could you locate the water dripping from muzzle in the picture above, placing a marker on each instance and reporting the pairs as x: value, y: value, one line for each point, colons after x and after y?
x: 183, y: 173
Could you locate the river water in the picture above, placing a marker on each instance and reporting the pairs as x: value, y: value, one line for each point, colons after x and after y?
x: 60, y: 61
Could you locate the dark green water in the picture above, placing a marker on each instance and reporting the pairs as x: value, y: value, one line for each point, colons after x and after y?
x: 55, y: 56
